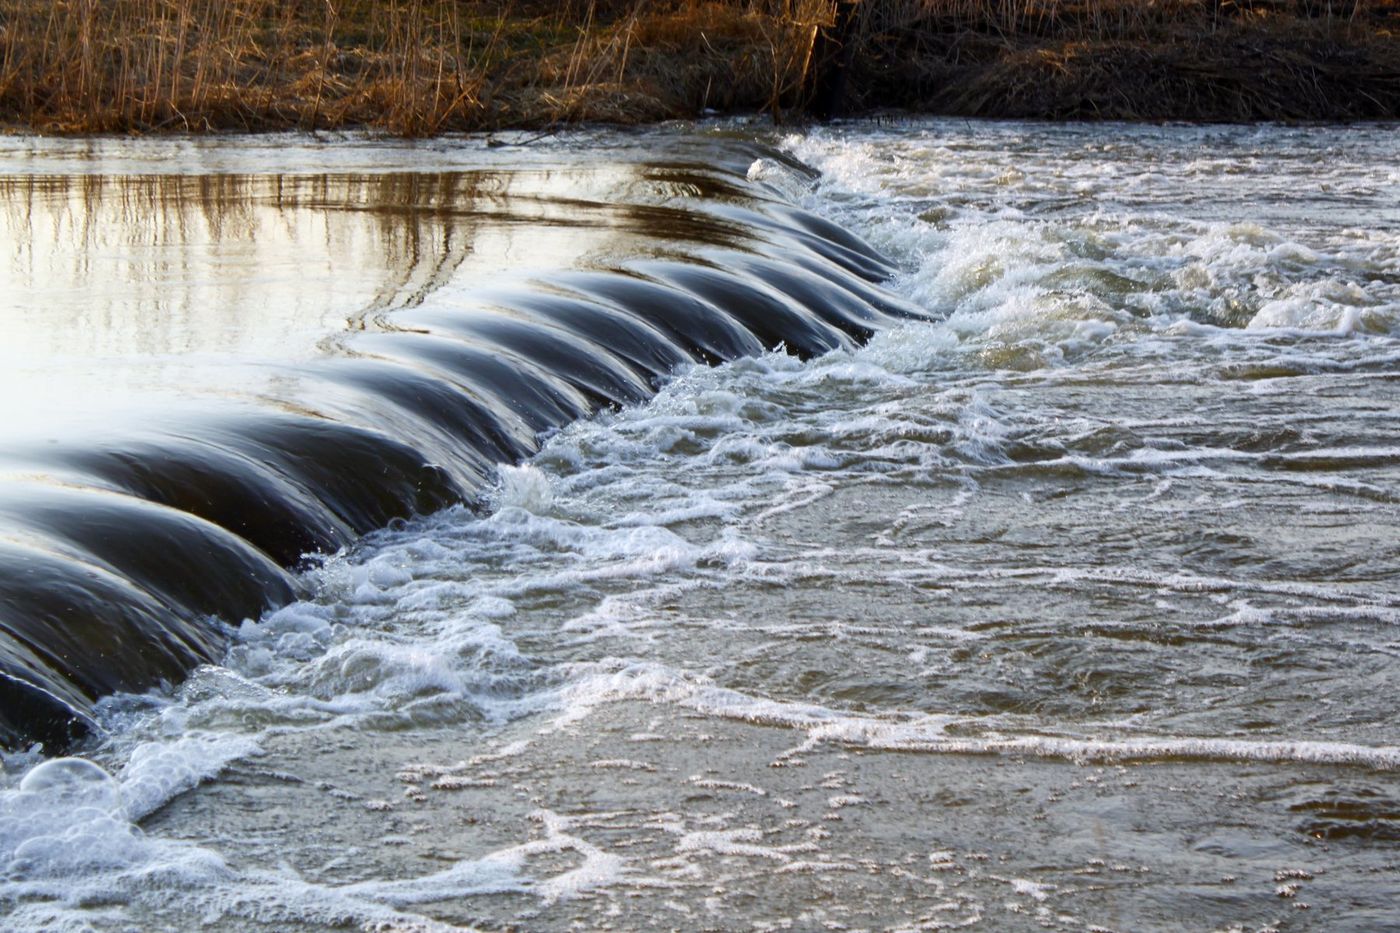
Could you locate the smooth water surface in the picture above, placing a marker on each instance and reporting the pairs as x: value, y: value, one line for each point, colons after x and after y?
x: 1075, y: 610
x: 212, y: 269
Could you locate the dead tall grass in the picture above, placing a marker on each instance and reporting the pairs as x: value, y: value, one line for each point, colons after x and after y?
x: 413, y: 67
x: 418, y: 67
x: 105, y: 65
x: 654, y: 59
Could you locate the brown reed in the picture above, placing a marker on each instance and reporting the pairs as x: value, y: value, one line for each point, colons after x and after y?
x: 418, y: 67
x: 412, y: 67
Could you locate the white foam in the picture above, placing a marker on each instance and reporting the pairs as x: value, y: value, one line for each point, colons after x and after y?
x: 523, y: 487
x: 68, y: 836
x: 625, y: 534
x: 1033, y: 889
x: 781, y: 179
x: 738, y: 842
x: 1000, y: 273
x: 157, y: 772
x: 933, y: 733
x: 932, y: 737
x: 715, y: 784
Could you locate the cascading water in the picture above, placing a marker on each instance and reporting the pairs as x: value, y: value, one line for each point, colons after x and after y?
x: 126, y: 548
x: 1063, y: 599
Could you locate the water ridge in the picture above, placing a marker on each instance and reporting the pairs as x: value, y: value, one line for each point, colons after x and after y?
x: 129, y: 548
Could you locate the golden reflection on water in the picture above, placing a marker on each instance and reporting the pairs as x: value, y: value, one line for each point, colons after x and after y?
x: 113, y: 285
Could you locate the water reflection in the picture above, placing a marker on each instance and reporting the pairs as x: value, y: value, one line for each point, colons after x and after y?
x: 113, y: 285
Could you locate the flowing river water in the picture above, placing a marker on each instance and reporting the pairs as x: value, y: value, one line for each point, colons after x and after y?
x: 1073, y: 607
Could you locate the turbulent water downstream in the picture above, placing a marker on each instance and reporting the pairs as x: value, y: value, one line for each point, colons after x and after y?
x: 1072, y: 607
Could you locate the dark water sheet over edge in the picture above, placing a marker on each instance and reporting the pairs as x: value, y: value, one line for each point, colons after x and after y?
x: 132, y: 549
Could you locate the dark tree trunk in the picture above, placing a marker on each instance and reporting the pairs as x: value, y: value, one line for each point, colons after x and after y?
x: 828, y: 70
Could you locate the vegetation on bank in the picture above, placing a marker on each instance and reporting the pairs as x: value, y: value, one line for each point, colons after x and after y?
x: 1207, y: 60
x: 419, y: 67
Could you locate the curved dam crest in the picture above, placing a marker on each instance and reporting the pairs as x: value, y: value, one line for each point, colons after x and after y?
x: 227, y: 372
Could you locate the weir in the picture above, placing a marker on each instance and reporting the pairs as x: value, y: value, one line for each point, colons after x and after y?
x: 227, y: 373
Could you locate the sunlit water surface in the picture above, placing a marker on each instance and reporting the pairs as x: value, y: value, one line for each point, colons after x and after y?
x: 1076, y: 610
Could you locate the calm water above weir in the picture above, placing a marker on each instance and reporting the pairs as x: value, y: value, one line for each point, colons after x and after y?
x: 1073, y: 607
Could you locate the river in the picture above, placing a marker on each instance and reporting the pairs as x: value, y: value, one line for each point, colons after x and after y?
x: 1072, y: 607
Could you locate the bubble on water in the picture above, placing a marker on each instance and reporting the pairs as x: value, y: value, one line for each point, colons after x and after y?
x: 73, y: 783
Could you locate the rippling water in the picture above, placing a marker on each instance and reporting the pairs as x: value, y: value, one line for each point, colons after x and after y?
x: 1076, y: 609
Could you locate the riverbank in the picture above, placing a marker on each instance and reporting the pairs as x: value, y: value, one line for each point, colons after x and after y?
x: 411, y: 67
x: 1213, y: 62
x: 420, y: 67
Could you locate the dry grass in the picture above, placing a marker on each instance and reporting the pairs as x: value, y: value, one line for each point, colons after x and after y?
x: 418, y: 67
x: 413, y: 67
x: 1224, y: 60
x: 104, y: 65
